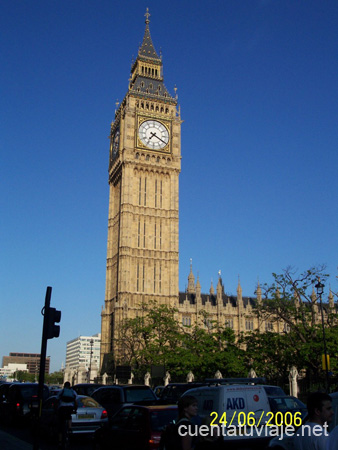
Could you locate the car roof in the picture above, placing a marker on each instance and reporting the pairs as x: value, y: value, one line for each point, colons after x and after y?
x: 152, y: 407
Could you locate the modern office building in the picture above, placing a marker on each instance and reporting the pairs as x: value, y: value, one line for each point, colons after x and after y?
x: 32, y: 360
x: 83, y: 351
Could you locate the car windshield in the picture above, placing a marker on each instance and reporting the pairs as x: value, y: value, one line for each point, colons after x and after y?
x: 87, y: 402
x: 286, y: 403
x: 139, y: 394
x: 159, y: 419
x: 274, y: 390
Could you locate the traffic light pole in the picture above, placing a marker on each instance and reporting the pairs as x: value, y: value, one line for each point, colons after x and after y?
x: 45, y: 312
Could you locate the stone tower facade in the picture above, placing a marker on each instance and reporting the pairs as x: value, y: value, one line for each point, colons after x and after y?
x: 144, y: 167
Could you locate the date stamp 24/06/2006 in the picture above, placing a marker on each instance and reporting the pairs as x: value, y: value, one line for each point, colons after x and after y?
x: 251, y: 419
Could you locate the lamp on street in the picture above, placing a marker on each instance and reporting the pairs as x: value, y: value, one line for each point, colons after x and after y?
x: 320, y: 289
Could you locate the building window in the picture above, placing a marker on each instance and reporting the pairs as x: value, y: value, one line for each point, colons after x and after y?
x: 249, y: 325
x: 186, y: 321
x: 229, y: 323
x: 268, y: 326
x: 287, y: 328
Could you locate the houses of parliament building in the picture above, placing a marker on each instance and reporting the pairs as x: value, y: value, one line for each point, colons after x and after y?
x: 143, y: 220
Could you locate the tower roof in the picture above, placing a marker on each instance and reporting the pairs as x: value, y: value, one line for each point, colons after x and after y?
x: 147, y: 49
x: 146, y: 79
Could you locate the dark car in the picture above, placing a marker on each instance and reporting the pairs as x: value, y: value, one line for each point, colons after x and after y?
x: 4, y: 387
x: 86, y: 388
x: 135, y: 427
x: 112, y: 398
x: 21, y: 398
x: 173, y: 391
x: 89, y: 416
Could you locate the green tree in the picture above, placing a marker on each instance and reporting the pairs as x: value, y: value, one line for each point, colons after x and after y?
x: 292, y: 300
x: 23, y: 376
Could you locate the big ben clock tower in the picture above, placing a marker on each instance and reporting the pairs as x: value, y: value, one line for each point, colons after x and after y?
x: 144, y: 167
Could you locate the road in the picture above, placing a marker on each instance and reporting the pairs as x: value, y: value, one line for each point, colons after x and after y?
x: 20, y: 438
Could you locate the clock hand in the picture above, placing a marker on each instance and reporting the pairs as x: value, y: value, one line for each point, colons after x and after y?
x: 154, y: 134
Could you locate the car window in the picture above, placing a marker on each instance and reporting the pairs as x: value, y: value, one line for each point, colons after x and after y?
x: 87, y: 402
x: 161, y: 418
x: 120, y: 419
x: 136, y: 419
x: 138, y: 394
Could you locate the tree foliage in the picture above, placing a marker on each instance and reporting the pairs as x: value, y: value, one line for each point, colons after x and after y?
x: 156, y: 337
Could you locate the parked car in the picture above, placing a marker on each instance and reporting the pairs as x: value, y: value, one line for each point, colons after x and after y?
x: 89, y: 416
x: 112, y: 398
x: 21, y: 398
x: 158, y: 390
x: 3, y: 399
x: 135, y: 427
x: 86, y: 388
x: 173, y: 391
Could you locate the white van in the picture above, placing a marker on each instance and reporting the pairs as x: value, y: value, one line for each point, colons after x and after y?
x: 241, y: 412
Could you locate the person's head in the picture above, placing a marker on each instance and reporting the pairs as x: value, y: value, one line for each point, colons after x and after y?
x: 319, y: 407
x: 187, y: 406
x: 67, y: 385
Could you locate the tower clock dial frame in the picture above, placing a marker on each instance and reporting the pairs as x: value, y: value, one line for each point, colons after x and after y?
x: 153, y: 134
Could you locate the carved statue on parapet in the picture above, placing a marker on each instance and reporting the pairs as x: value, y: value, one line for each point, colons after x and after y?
x: 293, y: 376
x: 218, y: 375
x: 130, y: 381
x: 167, y: 378
x: 104, y: 378
x: 190, y: 377
x: 147, y: 379
x: 252, y: 373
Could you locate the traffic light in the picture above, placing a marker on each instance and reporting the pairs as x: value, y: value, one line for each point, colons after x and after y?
x: 52, y: 316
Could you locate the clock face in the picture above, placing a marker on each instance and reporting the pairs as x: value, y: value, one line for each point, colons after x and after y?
x: 116, y: 143
x: 153, y: 134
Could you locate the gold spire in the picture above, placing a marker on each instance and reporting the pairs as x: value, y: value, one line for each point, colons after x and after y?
x: 147, y: 15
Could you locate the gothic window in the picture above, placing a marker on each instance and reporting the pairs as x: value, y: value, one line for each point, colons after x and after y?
x: 154, y: 277
x: 155, y: 236
x: 137, y: 156
x: 287, y: 328
x: 139, y: 191
x: 167, y: 110
x: 161, y: 186
x: 138, y: 277
x: 155, y: 193
x: 139, y: 233
x: 229, y: 323
x: 145, y: 191
x: 268, y: 326
x: 144, y: 234
x: 147, y: 158
x: 160, y: 235
x: 143, y: 277
x: 249, y: 325
x: 142, y: 84
x: 142, y: 69
x: 186, y: 321
x: 150, y: 85
x: 160, y: 280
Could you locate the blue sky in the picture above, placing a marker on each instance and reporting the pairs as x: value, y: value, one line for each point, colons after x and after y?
x: 257, y: 85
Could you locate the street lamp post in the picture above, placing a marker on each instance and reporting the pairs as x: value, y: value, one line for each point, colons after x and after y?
x: 320, y: 289
x: 90, y: 359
